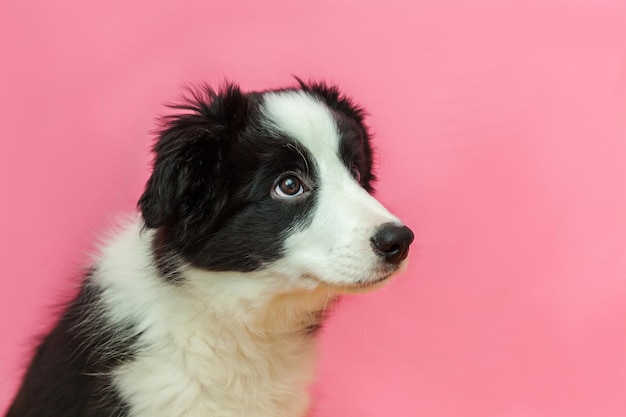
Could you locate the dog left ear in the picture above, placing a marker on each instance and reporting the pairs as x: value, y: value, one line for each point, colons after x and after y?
x: 190, y: 166
x: 346, y: 107
x: 334, y: 99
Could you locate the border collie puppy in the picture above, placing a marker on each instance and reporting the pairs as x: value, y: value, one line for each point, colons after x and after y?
x: 256, y: 217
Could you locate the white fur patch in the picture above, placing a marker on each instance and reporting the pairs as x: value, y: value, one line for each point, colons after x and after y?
x: 335, y: 248
x: 222, y: 344
x: 305, y: 119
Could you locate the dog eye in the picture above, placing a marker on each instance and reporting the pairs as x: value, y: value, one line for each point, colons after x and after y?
x: 356, y: 174
x: 289, y: 186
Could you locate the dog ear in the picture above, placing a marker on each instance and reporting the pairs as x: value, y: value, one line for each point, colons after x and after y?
x: 334, y: 99
x: 346, y: 107
x: 188, y: 180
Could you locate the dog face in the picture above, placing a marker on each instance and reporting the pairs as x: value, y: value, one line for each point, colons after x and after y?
x: 273, y: 183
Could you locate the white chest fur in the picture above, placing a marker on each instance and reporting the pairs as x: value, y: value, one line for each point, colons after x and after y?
x: 217, y: 344
x: 218, y: 371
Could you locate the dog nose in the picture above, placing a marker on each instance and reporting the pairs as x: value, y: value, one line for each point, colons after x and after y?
x: 392, y: 241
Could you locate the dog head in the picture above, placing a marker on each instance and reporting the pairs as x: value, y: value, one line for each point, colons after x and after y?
x: 275, y: 182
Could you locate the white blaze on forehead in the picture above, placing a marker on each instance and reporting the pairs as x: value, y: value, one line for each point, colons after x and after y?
x: 305, y: 119
x: 335, y: 247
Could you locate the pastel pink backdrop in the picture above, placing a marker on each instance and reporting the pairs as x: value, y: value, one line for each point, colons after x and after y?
x: 501, y: 130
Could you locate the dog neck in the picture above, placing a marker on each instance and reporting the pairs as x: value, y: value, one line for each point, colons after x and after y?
x: 236, y: 335
x: 258, y: 302
x: 252, y: 302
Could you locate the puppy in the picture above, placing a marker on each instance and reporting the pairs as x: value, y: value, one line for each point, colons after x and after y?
x: 256, y: 217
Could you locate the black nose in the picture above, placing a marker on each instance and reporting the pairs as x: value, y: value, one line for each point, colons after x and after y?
x: 392, y: 241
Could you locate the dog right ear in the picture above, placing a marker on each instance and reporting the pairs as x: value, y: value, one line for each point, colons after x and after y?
x: 190, y: 165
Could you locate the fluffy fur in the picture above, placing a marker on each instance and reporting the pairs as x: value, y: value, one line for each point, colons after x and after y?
x: 256, y: 217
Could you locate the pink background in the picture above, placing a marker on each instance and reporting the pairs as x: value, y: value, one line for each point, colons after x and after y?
x: 501, y: 128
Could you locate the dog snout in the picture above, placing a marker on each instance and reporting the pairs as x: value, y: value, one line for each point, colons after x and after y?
x: 391, y: 241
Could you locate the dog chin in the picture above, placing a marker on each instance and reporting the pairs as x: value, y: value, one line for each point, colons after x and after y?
x: 376, y: 281
x: 367, y: 286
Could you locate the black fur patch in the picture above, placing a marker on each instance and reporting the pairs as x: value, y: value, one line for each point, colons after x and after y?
x: 69, y: 373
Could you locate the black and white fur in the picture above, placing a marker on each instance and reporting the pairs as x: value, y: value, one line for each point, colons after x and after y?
x: 257, y: 216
